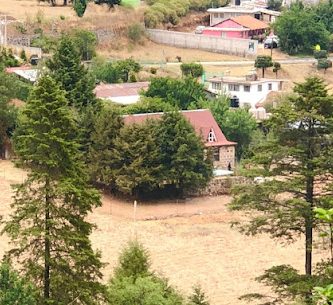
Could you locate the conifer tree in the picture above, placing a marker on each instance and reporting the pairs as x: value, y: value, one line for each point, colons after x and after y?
x: 106, y: 129
x: 48, y: 230
x: 296, y: 156
x: 186, y: 166
x: 136, y: 159
x: 73, y: 77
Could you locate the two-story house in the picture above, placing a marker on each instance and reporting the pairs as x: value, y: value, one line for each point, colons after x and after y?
x: 250, y: 90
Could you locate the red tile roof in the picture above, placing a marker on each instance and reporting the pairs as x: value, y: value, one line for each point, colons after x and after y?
x: 124, y: 89
x: 250, y: 22
x: 202, y: 121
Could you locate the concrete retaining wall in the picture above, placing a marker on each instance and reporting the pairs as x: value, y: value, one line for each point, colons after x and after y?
x: 239, y: 47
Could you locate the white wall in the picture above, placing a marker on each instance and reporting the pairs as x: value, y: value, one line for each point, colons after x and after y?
x: 254, y: 96
x: 236, y: 46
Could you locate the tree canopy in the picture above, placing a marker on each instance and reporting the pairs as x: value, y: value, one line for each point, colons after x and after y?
x: 73, y: 77
x: 299, y: 30
x: 184, y: 94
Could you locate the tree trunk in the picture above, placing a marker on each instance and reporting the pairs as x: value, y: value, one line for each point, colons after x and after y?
x: 65, y: 2
x: 309, y: 200
x: 47, y: 254
x: 263, y: 72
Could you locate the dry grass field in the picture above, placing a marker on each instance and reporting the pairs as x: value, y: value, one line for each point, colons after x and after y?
x: 190, y: 242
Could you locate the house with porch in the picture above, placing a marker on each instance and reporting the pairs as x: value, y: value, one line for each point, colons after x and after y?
x: 206, y: 127
x: 244, y: 26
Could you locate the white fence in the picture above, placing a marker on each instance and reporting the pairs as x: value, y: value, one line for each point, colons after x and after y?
x: 235, y: 46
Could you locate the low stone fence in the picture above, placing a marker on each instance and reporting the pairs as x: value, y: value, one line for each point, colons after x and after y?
x: 222, y: 185
x: 235, y: 46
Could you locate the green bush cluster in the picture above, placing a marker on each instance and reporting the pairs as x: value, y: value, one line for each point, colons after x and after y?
x: 121, y: 71
x: 170, y: 11
x: 155, y: 158
x: 7, y: 58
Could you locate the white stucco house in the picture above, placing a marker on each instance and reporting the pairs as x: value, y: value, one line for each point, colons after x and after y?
x: 250, y: 90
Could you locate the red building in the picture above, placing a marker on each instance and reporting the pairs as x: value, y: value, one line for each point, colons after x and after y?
x: 238, y: 27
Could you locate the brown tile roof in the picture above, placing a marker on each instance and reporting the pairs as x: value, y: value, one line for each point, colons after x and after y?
x: 250, y: 22
x: 124, y: 89
x: 202, y: 121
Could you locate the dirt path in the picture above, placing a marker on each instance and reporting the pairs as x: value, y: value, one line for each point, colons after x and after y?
x: 197, y: 246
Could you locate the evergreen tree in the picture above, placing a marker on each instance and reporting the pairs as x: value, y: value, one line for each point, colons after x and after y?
x: 106, y: 129
x: 49, y: 234
x: 296, y: 155
x: 73, y: 77
x: 198, y: 297
x: 15, y: 290
x: 137, y: 164
x: 182, y: 153
x: 133, y: 283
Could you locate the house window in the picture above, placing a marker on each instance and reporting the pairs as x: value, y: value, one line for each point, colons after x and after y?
x: 211, y: 136
x: 221, y: 15
x: 216, y: 154
x: 269, y: 86
x: 259, y: 88
x: 233, y: 87
x: 247, y: 88
x: 216, y: 15
x: 216, y: 86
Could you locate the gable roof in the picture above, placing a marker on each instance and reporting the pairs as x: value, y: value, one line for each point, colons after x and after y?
x: 250, y: 22
x: 107, y: 91
x: 201, y: 120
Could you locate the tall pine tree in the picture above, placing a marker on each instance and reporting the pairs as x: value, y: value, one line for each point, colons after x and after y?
x: 48, y: 230
x: 295, y: 155
x: 73, y: 77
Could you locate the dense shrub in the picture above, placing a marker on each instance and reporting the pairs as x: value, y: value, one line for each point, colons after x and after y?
x: 115, y: 72
x: 85, y: 42
x: 7, y: 59
x: 135, y: 32
x: 192, y: 69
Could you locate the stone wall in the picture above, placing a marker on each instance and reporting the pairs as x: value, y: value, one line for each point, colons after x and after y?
x: 221, y: 185
x: 235, y: 46
x: 227, y: 154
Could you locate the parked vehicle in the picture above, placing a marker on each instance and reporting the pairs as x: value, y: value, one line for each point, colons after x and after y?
x: 199, y: 29
x: 271, y: 42
x: 34, y: 59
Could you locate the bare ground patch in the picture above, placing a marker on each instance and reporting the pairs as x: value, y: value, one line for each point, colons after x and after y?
x: 197, y: 246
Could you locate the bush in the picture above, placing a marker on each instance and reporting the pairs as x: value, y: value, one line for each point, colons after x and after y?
x: 7, y: 58
x: 320, y: 54
x: 46, y: 43
x: 23, y: 56
x: 135, y: 32
x: 324, y: 63
x: 85, y: 42
x: 192, y: 69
